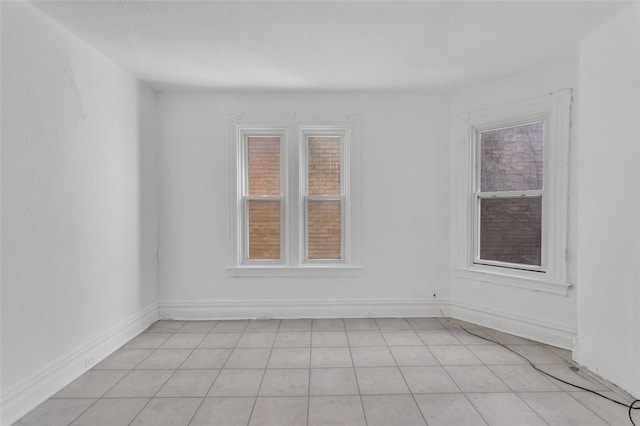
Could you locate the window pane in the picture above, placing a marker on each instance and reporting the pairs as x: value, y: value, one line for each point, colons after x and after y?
x: 323, y: 165
x: 324, y: 229
x: 264, y: 229
x: 511, y: 159
x: 510, y: 230
x: 264, y: 165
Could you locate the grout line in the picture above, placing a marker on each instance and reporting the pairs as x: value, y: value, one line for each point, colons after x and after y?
x: 255, y: 401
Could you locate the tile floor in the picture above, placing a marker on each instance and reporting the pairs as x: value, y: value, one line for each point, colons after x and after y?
x: 385, y: 372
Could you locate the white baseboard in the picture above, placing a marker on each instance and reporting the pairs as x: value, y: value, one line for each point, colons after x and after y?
x: 550, y: 333
x: 25, y: 396
x: 341, y: 308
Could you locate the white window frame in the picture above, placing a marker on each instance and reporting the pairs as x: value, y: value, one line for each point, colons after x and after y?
x: 245, y: 197
x: 479, y: 195
x: 554, y: 110
x: 293, y: 131
x: 343, y: 197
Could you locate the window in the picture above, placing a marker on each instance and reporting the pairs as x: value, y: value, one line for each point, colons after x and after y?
x: 293, y: 210
x: 515, y: 226
x: 509, y: 196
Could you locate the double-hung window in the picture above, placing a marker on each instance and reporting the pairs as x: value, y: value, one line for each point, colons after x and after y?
x: 293, y: 204
x: 509, y: 196
x: 263, y: 198
x: 515, y: 174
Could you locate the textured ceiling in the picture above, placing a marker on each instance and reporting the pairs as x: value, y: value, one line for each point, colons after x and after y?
x: 327, y: 45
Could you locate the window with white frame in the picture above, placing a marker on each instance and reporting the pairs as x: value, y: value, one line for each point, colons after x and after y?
x: 293, y: 207
x: 517, y: 188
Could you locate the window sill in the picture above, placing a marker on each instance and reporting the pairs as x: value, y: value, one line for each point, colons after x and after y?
x: 533, y: 281
x: 294, y: 271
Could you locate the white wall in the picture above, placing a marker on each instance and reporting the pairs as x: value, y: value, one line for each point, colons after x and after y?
x: 546, y: 317
x: 78, y: 207
x: 609, y: 207
x: 404, y: 193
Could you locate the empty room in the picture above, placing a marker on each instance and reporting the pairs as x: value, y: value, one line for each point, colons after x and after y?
x: 318, y: 213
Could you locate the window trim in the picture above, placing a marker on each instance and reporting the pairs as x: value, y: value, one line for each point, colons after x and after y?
x: 555, y: 110
x: 292, y: 128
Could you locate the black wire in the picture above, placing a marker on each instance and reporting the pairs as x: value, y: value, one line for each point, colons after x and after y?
x: 629, y: 406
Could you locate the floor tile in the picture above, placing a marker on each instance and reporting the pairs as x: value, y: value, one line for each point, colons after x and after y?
x: 123, y: 359
x: 330, y: 357
x: 325, y: 339
x: 538, y: 354
x: 478, y: 337
x: 380, y: 380
x: 223, y: 411
x: 333, y: 381
x: 165, y: 359
x: 428, y: 380
x: 285, y: 382
x: 220, y: 340
x: 230, y: 325
x: 248, y: 358
x: 456, y: 324
x: 559, y: 409
x: 183, y: 341
x: 476, y: 378
x: 303, y: 371
x: 263, y: 325
x: 401, y: 338
x: 360, y: 324
x: 566, y: 373
x: 55, y: 412
x: 562, y: 353
x: 413, y: 356
x: 425, y: 324
x: 92, y: 384
x: 454, y: 355
x: 331, y: 324
x: 365, y: 338
x: 336, y: 411
x: 206, y: 359
x: 140, y: 383
x: 438, y: 337
x: 147, y: 341
x: 295, y: 325
x: 495, y: 355
x: 111, y: 412
x: 198, y: 327
x: 372, y: 357
x: 448, y: 410
x: 165, y: 326
x: 508, y: 339
x: 245, y: 382
x: 290, y: 358
x: 391, y: 410
x: 523, y: 378
x: 393, y: 324
x: 293, y: 339
x: 280, y: 411
x: 502, y: 409
x: 188, y: 383
x: 614, y: 414
x: 256, y: 340
x: 168, y: 412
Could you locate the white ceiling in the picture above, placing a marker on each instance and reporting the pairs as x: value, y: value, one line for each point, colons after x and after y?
x: 327, y: 45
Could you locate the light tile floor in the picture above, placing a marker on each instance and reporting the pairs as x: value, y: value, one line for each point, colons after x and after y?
x: 386, y: 372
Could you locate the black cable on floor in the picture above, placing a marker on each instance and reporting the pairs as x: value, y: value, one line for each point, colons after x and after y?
x: 631, y: 406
